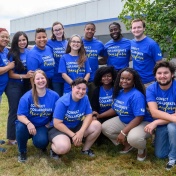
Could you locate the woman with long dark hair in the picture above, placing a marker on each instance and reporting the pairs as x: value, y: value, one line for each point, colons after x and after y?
x: 19, y: 82
x: 129, y: 106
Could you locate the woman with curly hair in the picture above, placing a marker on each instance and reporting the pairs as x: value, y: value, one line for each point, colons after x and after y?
x: 102, y: 96
x: 74, y: 63
x: 129, y: 106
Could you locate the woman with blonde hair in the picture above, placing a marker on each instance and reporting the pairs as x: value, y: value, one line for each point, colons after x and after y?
x: 74, y: 63
x: 34, y: 115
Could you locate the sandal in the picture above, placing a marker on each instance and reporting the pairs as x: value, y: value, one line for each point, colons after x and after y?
x: 126, y: 151
x: 12, y: 142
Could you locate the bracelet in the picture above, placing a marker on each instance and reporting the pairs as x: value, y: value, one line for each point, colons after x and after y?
x: 21, y: 78
x: 123, y: 133
x: 28, y: 123
x: 73, y: 135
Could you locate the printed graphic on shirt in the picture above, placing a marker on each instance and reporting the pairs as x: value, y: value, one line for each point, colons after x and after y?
x: 165, y: 105
x: 136, y: 54
x: 71, y: 116
x: 58, y: 52
x: 48, y: 61
x: 42, y: 111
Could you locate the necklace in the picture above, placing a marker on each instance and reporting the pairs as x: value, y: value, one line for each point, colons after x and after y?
x: 107, y: 91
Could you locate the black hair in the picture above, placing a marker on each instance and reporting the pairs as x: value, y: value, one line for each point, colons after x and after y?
x: 14, y: 51
x: 102, y: 71
x: 116, y: 24
x: 38, y: 30
x: 79, y: 81
x: 90, y: 23
x: 136, y: 78
x: 170, y: 65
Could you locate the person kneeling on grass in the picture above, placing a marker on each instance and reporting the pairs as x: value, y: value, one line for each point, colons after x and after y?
x: 35, y: 111
x: 72, y: 120
x: 129, y: 106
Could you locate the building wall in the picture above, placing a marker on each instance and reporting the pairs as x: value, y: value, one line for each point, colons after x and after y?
x: 74, y: 18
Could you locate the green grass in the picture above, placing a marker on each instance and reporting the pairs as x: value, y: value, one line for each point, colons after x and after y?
x: 108, y: 161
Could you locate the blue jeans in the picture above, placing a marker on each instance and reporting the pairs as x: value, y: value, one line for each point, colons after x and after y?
x: 14, y: 92
x: 58, y: 87
x: 40, y: 140
x: 165, y: 141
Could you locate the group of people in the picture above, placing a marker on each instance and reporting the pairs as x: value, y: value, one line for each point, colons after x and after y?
x: 57, y: 93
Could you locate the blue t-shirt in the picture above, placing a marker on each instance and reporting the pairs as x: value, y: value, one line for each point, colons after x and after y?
x: 41, y: 59
x: 38, y: 116
x: 69, y: 65
x: 71, y: 112
x: 105, y: 99
x: 165, y: 99
x: 58, y: 48
x: 3, y: 77
x: 94, y: 48
x: 23, y: 60
x: 145, y: 54
x: 118, y: 53
x: 130, y: 104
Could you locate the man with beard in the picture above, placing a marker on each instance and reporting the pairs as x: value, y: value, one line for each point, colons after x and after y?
x: 161, y: 99
x: 145, y: 52
x: 117, y: 50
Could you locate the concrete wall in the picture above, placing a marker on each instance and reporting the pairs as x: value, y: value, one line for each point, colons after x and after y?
x: 74, y: 18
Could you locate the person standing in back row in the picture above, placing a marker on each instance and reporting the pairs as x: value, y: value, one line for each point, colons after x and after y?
x: 58, y: 44
x: 74, y: 63
x: 19, y: 81
x: 5, y: 66
x: 145, y: 52
x: 117, y: 50
x: 94, y: 49
x: 41, y: 56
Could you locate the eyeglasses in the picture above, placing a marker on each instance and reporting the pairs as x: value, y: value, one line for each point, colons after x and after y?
x: 57, y: 30
x: 73, y: 41
x: 114, y: 29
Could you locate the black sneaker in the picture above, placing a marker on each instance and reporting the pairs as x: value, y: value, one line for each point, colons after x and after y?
x: 88, y: 152
x: 2, y: 142
x: 54, y: 155
x: 170, y: 164
x: 22, y: 157
x: 3, y: 150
